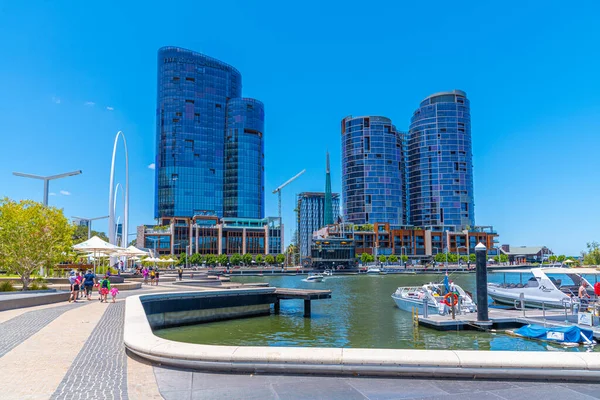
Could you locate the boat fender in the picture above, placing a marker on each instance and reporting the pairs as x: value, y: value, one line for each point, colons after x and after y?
x: 597, y: 288
x: 451, y: 303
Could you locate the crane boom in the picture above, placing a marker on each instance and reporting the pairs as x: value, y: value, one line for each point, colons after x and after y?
x: 289, y: 181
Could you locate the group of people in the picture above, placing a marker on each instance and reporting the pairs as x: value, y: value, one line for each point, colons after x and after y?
x: 83, y: 284
x: 152, y: 273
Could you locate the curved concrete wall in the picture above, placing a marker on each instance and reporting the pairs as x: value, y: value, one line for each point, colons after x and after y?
x: 140, y: 340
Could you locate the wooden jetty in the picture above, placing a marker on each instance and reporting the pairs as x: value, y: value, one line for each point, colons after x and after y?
x: 304, y: 294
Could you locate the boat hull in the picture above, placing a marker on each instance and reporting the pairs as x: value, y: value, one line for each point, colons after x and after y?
x: 509, y: 296
x: 410, y: 305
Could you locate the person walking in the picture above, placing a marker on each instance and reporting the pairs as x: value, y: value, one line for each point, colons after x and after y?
x: 152, y: 276
x: 104, y: 289
x: 157, y: 276
x: 89, y: 279
x: 145, y: 274
x: 74, y: 287
x: 180, y: 273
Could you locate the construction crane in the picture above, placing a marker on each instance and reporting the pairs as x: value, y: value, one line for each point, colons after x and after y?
x: 278, y: 190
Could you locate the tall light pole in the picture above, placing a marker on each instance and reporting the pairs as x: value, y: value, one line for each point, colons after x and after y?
x: 89, y: 222
x: 47, y: 180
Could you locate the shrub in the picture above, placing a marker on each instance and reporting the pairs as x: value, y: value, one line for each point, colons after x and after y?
x: 6, y: 286
x: 34, y: 286
x: 44, y: 286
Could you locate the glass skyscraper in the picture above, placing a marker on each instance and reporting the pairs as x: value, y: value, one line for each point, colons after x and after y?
x: 209, y: 140
x: 311, y: 216
x: 440, y: 165
x: 373, y: 171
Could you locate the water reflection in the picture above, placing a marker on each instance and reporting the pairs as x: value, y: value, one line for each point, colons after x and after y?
x: 361, y: 313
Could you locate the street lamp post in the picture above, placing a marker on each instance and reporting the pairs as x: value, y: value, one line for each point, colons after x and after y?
x: 47, y: 180
x: 89, y: 222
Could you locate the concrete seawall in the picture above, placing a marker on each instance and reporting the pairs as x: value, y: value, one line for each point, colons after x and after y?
x: 139, y: 339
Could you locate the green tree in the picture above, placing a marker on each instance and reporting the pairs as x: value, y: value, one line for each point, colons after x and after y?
x: 452, y: 258
x: 503, y: 258
x: 280, y: 258
x: 247, y: 258
x: 552, y: 258
x: 404, y: 258
x: 592, y: 256
x: 259, y: 259
x: 236, y: 259
x: 182, y: 259
x: 32, y: 236
x: 222, y: 259
x: 561, y: 258
x: 133, y: 242
x: 269, y: 259
x: 80, y: 234
x: 440, y: 257
x: 211, y: 259
x: 472, y: 257
x: 464, y: 258
x: 382, y: 258
x: 195, y: 259
x: 393, y: 258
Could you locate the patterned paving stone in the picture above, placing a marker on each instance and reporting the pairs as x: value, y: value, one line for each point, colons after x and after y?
x: 100, y: 369
x: 16, y: 330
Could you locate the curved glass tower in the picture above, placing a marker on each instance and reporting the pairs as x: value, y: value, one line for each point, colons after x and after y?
x: 440, y: 165
x: 373, y: 184
x: 244, y: 189
x: 196, y: 93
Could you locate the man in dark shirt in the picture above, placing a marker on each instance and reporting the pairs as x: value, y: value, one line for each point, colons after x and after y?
x: 88, y: 283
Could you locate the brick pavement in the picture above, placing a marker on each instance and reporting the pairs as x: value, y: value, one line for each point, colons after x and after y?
x: 20, y: 328
x: 100, y: 369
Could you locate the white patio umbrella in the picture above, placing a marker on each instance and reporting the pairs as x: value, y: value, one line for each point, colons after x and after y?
x: 96, y: 246
x: 130, y: 252
x: 568, y: 261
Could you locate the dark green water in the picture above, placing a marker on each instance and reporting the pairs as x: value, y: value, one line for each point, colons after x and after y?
x: 361, y: 313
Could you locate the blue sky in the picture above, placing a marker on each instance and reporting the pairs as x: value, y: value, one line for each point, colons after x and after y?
x: 73, y: 73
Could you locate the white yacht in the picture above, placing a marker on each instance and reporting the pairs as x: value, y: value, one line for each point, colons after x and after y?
x: 373, y: 271
x: 314, y: 278
x: 408, y: 298
x: 542, y: 290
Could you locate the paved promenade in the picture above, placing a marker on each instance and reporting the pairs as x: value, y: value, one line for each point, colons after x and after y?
x: 75, y: 351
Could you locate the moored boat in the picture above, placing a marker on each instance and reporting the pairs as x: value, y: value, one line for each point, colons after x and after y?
x: 566, y: 335
x: 438, y: 298
x: 373, y: 271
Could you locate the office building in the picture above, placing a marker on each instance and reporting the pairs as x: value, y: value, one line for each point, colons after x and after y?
x: 209, y: 140
x: 311, y: 216
x: 373, y: 171
x: 440, y: 167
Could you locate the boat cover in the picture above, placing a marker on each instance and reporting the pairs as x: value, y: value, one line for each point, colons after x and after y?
x: 568, y: 334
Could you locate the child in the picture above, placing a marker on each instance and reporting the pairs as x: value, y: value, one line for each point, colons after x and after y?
x: 114, y: 292
x: 104, y: 288
x: 152, y: 277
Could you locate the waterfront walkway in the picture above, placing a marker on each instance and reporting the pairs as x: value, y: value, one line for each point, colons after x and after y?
x: 75, y: 351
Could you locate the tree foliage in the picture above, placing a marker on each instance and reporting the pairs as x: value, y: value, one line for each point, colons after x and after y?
x: 382, y: 258
x: 222, y: 259
x: 280, y: 258
x: 269, y: 259
x: 211, y: 259
x: 592, y: 256
x: 32, y: 236
x: 259, y: 259
x: 196, y: 259
x: 366, y: 258
x: 80, y: 234
x: 393, y: 258
x: 236, y: 259
x: 247, y: 258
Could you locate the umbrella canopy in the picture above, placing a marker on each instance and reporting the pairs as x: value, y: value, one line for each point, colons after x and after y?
x: 160, y: 260
x: 151, y: 259
x: 96, y: 245
x: 171, y: 260
x: 133, y: 251
x: 568, y: 261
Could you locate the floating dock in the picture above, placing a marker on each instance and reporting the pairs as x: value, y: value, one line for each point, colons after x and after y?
x: 504, y: 319
x: 305, y: 294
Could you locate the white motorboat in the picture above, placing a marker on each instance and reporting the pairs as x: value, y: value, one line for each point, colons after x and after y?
x: 542, y: 290
x: 314, y: 278
x: 373, y: 271
x: 328, y: 272
x: 439, y: 301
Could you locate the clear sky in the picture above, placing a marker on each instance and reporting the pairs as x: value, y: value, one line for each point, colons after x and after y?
x: 73, y: 73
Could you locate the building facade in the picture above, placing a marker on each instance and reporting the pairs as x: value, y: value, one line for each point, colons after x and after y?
x: 373, y: 171
x: 440, y: 167
x: 209, y: 234
x: 209, y: 140
x: 311, y: 217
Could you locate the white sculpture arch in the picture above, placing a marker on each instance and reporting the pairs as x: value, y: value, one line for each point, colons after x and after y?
x: 112, y: 193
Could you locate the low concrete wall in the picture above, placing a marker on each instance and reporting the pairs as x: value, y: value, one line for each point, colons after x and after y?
x: 120, y: 286
x: 140, y: 340
x: 6, y: 303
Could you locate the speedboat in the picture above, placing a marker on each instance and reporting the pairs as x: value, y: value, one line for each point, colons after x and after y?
x: 314, y: 278
x: 373, y: 271
x: 438, y: 299
x: 542, y: 290
x: 328, y: 272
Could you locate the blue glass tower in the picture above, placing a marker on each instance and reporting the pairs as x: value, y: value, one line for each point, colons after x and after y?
x: 196, y: 93
x: 373, y: 184
x: 244, y: 190
x: 440, y: 164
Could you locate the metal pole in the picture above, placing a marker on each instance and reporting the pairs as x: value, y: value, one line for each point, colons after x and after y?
x: 481, y: 278
x: 46, y: 187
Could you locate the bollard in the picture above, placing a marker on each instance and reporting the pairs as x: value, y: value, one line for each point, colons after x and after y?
x: 481, y: 278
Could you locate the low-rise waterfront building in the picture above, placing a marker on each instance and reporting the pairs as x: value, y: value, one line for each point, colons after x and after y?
x: 526, y: 254
x: 209, y: 234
